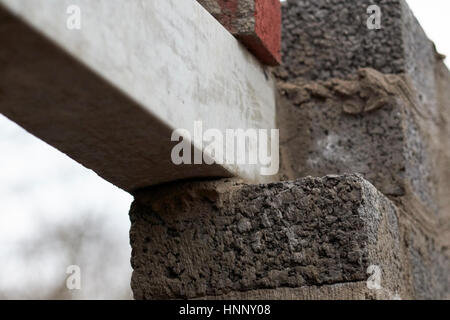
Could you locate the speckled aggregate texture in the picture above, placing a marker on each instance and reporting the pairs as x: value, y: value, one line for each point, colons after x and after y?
x: 373, y: 102
x: 225, y: 238
x: 368, y: 126
x: 325, y: 39
x: 395, y: 135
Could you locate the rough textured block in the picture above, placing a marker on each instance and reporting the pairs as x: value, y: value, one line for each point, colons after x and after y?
x: 392, y: 126
x: 388, y: 121
x: 125, y: 81
x: 329, y: 39
x: 263, y: 241
x: 256, y: 23
x: 373, y: 126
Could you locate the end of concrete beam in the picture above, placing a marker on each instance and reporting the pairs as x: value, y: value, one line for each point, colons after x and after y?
x: 255, y: 23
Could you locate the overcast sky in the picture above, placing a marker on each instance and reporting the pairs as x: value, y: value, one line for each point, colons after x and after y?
x: 38, y: 183
x: 434, y: 16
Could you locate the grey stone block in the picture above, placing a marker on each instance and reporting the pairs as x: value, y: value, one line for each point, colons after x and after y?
x: 397, y: 137
x: 325, y: 39
x: 372, y: 126
x: 227, y: 239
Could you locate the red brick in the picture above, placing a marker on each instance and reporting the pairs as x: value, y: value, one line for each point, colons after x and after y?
x: 256, y: 23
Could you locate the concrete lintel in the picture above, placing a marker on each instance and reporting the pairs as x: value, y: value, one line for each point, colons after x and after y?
x: 110, y: 94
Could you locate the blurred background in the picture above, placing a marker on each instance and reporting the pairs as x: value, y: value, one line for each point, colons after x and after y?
x: 55, y: 213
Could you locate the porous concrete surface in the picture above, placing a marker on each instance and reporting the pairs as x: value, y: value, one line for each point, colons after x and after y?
x: 325, y: 39
x: 388, y: 121
x: 225, y: 238
x: 374, y: 126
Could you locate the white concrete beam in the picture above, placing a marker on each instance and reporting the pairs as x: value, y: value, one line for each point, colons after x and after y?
x: 110, y: 94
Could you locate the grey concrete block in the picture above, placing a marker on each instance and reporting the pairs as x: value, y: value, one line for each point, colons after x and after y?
x: 329, y: 39
x: 125, y: 81
x: 333, y: 121
x: 372, y: 126
x: 227, y: 239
